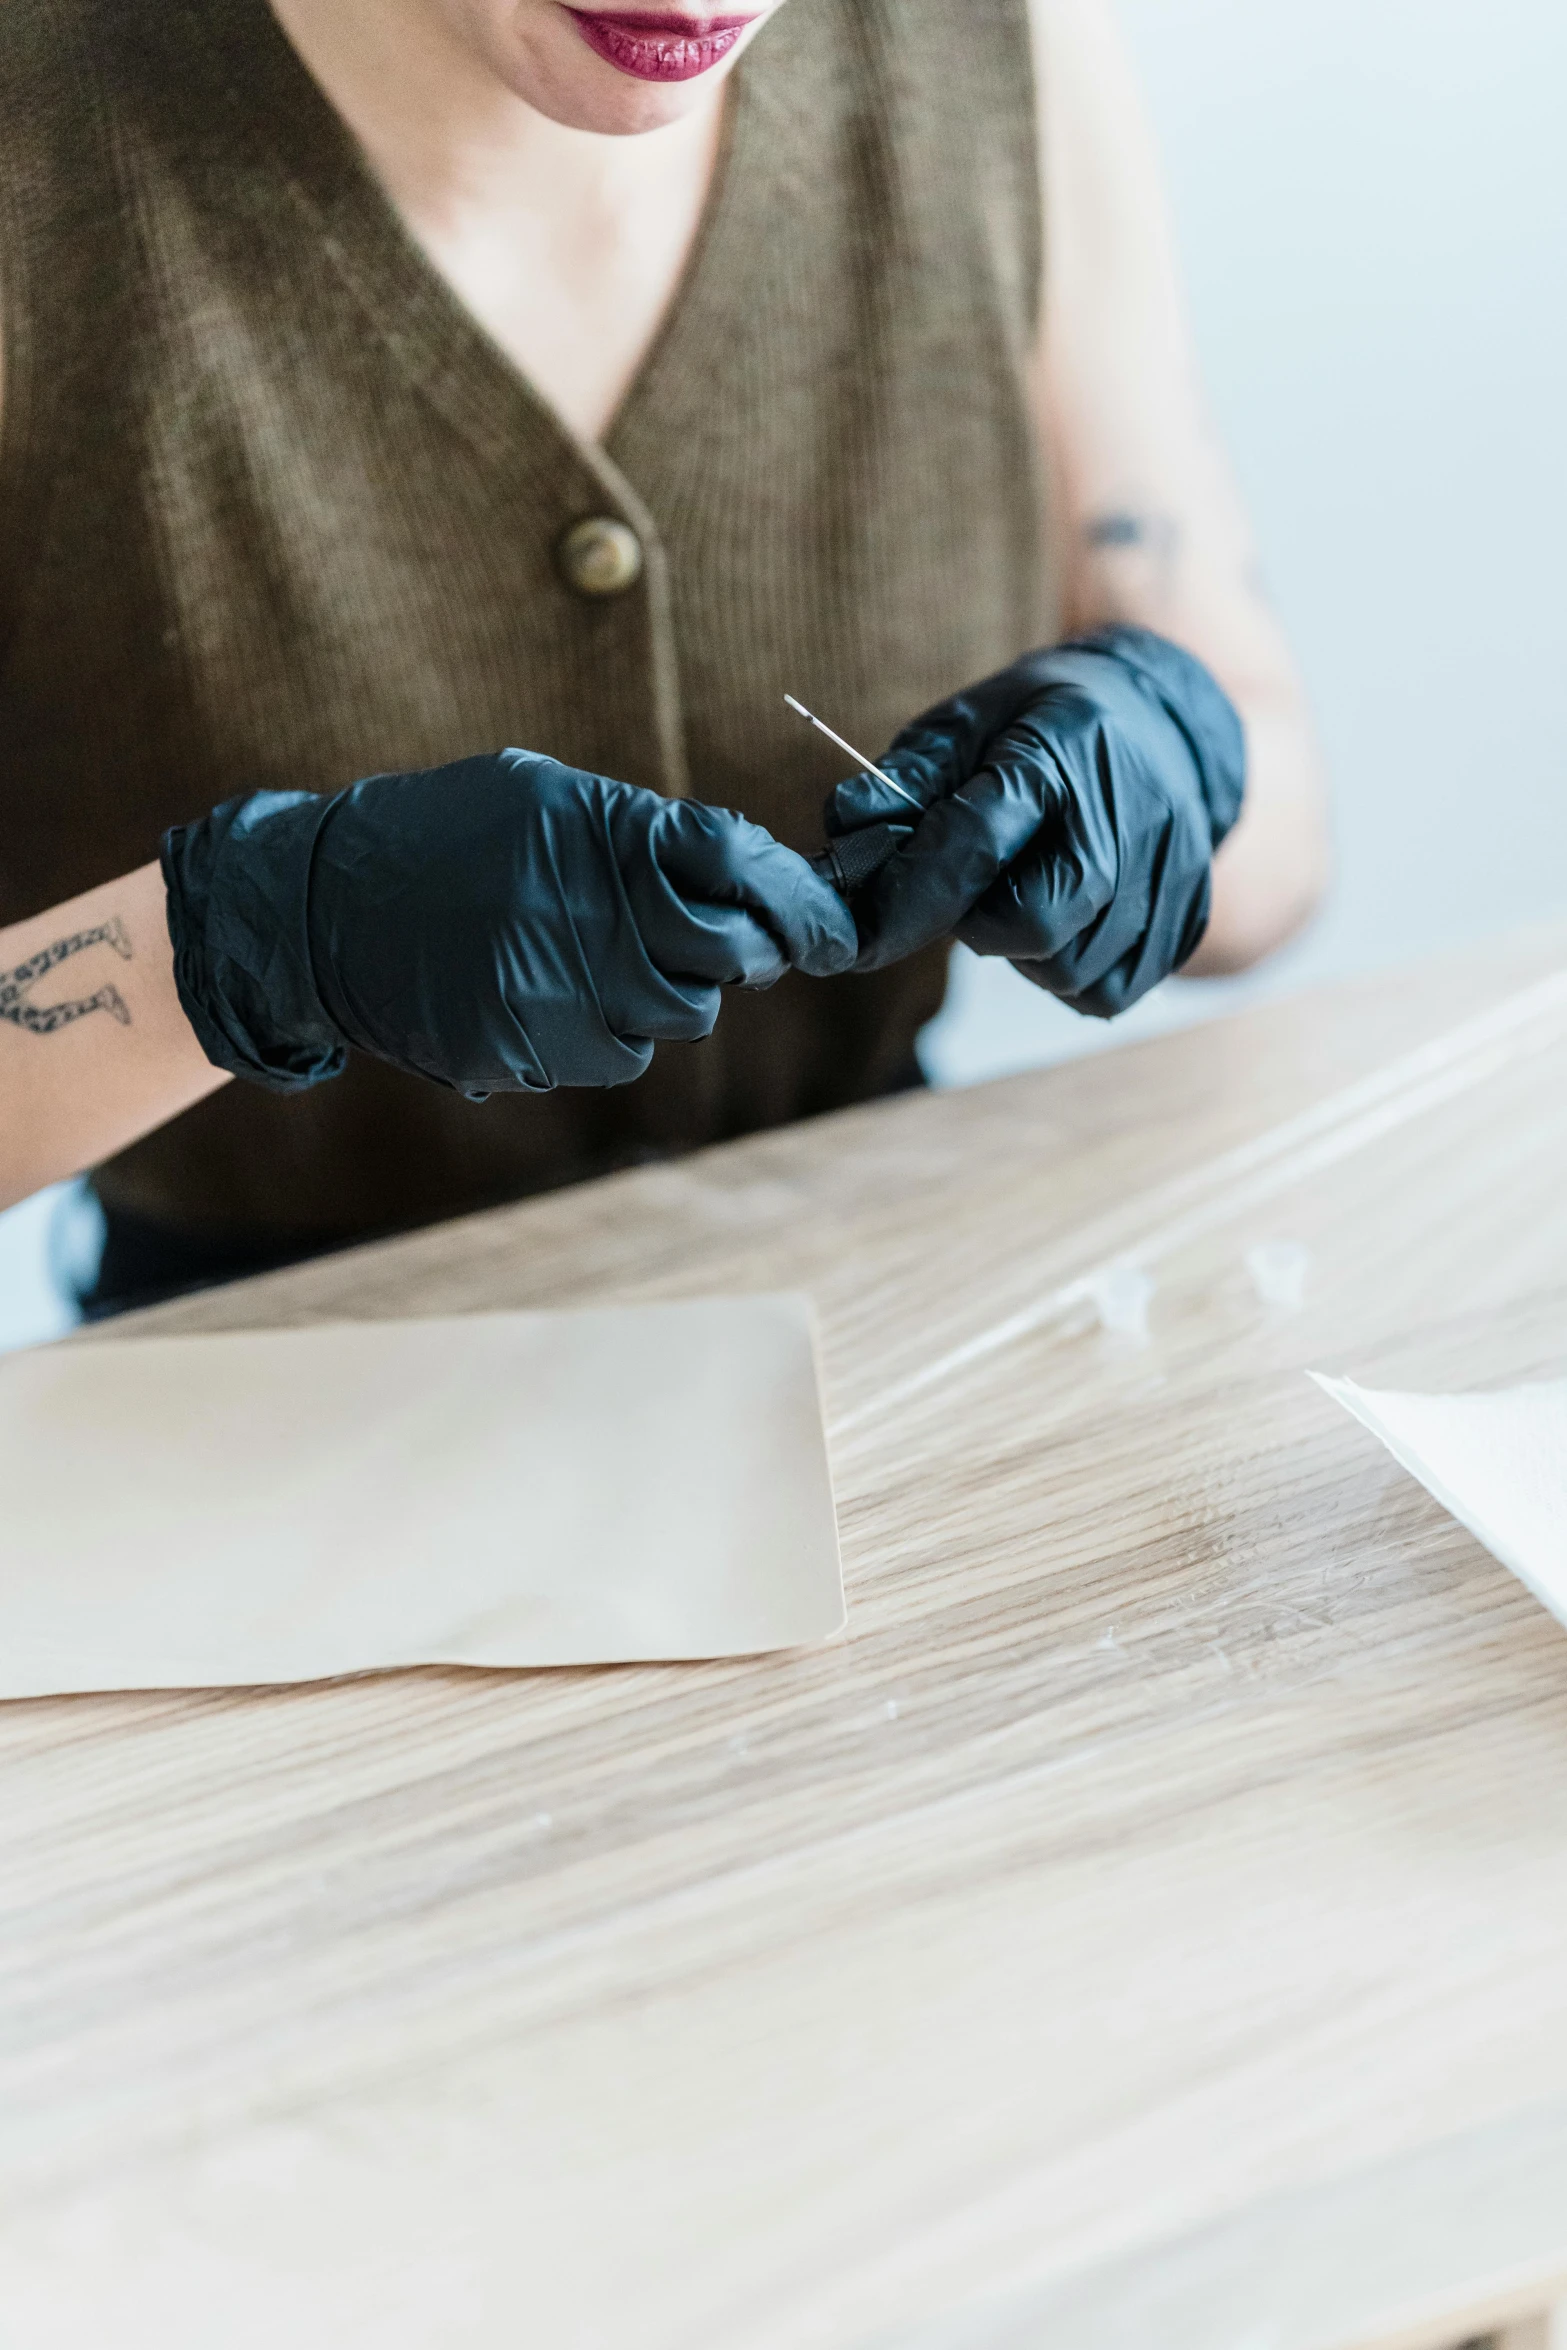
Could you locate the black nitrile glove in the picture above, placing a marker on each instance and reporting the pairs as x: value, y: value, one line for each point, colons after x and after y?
x: 1073, y: 806
x: 504, y: 924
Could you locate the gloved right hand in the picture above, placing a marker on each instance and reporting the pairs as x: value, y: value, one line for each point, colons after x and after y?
x: 504, y: 924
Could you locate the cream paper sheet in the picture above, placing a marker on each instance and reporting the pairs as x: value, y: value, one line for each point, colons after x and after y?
x: 504, y: 1490
x: 1498, y: 1462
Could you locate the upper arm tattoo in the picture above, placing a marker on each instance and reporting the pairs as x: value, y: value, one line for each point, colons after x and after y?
x: 43, y: 1019
x: 1119, y: 531
x: 1160, y: 540
x: 1141, y: 553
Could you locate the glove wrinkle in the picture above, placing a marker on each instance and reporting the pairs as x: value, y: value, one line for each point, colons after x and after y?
x: 233, y: 957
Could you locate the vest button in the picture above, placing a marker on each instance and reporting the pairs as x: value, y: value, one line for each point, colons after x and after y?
x: 600, y: 557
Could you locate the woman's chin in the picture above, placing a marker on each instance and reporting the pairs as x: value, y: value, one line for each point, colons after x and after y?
x: 580, y: 103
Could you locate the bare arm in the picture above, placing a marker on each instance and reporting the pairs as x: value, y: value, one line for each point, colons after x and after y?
x: 94, y: 1048
x: 1149, y: 515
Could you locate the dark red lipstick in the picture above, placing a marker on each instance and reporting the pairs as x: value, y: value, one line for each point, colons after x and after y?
x: 661, y: 48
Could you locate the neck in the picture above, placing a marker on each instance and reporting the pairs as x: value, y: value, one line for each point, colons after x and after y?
x: 443, y: 130
x: 566, y: 245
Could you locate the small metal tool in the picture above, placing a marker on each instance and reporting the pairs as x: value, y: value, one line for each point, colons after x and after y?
x: 858, y: 757
x: 850, y: 861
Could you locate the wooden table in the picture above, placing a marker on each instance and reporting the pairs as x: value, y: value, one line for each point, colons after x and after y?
x: 1146, y: 1931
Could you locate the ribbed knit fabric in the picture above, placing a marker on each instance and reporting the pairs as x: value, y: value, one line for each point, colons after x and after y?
x: 274, y: 511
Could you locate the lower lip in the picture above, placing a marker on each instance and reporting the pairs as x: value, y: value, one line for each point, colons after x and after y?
x: 661, y: 48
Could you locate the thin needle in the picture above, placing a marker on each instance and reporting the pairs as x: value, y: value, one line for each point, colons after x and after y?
x: 858, y: 757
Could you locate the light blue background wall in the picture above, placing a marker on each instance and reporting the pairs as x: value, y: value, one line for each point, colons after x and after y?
x: 1373, y: 203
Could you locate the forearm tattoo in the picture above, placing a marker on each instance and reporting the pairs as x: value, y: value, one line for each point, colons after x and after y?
x: 44, y: 1019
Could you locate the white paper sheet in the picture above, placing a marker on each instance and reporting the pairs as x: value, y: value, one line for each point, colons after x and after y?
x: 505, y: 1489
x: 1498, y: 1462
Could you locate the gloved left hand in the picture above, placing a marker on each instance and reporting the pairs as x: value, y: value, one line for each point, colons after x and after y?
x: 502, y: 924
x: 1073, y: 804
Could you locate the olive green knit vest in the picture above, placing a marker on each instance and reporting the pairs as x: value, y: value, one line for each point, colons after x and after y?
x: 274, y: 511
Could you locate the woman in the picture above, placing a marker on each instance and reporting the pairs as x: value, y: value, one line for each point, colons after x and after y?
x: 388, y: 379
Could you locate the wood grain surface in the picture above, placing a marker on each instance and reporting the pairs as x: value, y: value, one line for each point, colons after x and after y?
x: 1148, y: 1926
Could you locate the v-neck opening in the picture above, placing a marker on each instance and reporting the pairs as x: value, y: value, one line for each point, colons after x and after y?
x: 674, y: 315
x: 428, y: 328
